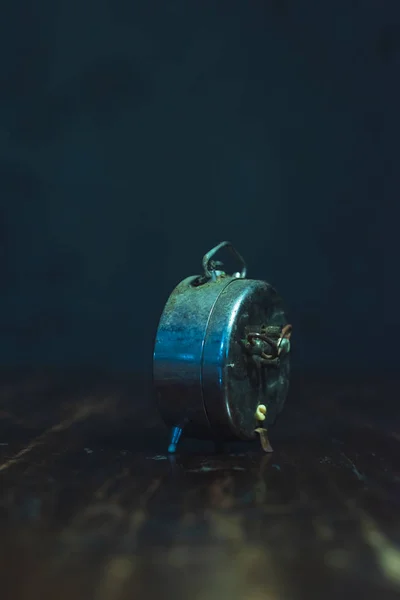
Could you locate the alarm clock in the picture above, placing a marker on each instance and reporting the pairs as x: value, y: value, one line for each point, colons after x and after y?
x: 221, y: 361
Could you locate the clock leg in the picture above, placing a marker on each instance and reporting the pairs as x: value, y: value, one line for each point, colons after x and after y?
x: 176, y: 433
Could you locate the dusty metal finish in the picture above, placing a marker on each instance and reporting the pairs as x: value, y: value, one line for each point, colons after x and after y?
x: 212, y: 365
x: 178, y: 355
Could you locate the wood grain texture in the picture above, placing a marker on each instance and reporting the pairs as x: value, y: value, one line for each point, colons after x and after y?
x: 92, y: 508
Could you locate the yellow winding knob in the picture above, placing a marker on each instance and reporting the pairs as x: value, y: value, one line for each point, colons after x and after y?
x: 261, y: 412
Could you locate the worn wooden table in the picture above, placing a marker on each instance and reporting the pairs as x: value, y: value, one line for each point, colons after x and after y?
x: 92, y: 508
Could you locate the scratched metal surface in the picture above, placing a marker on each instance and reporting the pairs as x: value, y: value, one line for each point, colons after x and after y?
x: 91, y: 508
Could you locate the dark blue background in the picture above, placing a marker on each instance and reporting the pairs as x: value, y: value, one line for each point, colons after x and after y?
x: 135, y: 135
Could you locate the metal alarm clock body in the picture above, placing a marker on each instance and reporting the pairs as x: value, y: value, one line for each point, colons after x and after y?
x: 221, y: 356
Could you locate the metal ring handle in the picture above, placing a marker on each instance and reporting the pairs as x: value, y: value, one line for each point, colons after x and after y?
x: 207, y: 257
